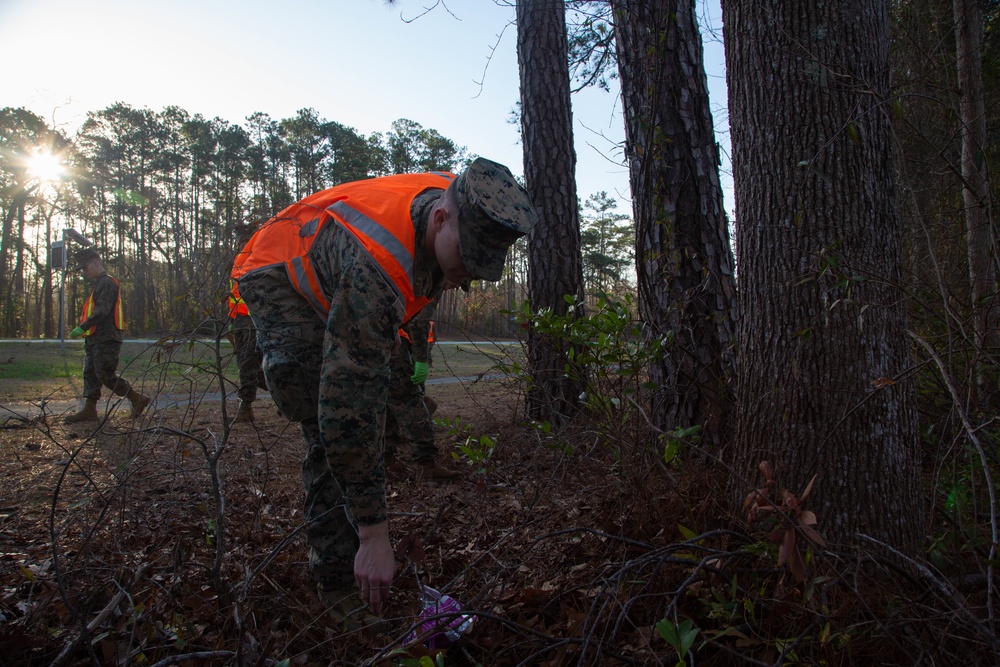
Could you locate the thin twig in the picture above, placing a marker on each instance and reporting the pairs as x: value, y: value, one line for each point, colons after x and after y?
x: 201, y: 655
x: 985, y: 463
x: 96, y: 623
x: 942, y: 587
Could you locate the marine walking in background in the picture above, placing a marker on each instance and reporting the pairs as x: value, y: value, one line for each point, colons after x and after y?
x: 102, y: 325
x: 248, y: 356
x: 408, y: 414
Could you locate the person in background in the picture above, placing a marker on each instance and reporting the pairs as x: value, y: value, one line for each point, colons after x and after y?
x: 329, y: 281
x: 102, y: 324
x: 248, y: 356
x: 431, y: 404
x: 408, y: 417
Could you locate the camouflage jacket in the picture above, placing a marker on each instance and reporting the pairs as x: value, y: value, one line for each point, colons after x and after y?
x: 365, y: 315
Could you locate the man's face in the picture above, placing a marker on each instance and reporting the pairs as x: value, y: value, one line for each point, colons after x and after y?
x: 91, y: 269
x: 448, y: 252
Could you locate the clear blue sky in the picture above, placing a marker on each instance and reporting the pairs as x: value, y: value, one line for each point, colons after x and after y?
x: 357, y: 62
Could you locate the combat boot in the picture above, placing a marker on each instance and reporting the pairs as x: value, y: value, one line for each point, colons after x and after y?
x: 87, y: 413
x: 431, y: 404
x: 245, y: 414
x: 432, y: 471
x: 348, y: 611
x: 138, y: 401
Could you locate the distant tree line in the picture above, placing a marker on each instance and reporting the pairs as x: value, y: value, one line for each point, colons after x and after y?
x: 170, y: 197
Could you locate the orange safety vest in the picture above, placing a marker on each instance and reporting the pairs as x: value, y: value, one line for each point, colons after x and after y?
x: 237, y: 306
x: 376, y: 211
x: 430, y: 334
x: 88, y: 308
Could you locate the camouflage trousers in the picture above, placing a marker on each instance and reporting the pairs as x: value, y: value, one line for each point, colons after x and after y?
x: 407, y: 418
x: 290, y: 339
x: 248, y: 357
x: 100, y: 367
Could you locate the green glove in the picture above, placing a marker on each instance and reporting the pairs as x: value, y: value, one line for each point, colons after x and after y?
x: 419, y: 372
x: 76, y: 333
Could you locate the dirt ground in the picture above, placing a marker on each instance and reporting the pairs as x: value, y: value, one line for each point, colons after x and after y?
x: 175, y: 539
x: 118, y: 529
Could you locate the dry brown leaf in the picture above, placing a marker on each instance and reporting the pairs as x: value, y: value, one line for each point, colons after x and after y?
x: 787, y: 549
x: 809, y: 486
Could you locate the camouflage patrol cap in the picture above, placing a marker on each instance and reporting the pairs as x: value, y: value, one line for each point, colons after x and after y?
x: 85, y: 256
x: 493, y: 212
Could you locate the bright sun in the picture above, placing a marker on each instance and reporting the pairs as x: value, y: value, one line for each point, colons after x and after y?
x: 45, y: 166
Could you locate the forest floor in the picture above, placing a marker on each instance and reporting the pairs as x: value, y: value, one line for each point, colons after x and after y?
x: 176, y: 538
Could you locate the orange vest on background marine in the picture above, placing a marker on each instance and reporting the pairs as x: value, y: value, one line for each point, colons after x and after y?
x: 237, y: 306
x: 430, y: 334
x: 88, y: 309
x: 375, y: 211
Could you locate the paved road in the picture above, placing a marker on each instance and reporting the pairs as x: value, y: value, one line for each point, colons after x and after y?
x: 27, y: 410
x: 23, y: 410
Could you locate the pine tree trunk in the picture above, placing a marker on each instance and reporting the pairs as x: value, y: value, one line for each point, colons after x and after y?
x: 824, y: 360
x: 6, y: 243
x: 18, y: 295
x: 550, y: 178
x: 687, y: 293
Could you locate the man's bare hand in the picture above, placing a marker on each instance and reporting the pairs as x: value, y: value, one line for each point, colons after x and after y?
x: 374, y: 565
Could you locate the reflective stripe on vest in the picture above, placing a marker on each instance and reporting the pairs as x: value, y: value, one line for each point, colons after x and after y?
x: 306, y: 282
x: 237, y: 306
x: 88, y: 309
x: 361, y: 223
x: 376, y: 212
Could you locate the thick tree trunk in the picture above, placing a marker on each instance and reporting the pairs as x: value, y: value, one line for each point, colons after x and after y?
x: 687, y: 293
x: 823, y: 386
x: 550, y: 178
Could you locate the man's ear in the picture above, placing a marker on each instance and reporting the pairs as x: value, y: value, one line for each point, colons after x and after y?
x: 438, y: 217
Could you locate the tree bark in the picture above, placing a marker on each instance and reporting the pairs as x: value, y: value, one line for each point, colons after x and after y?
x: 6, y: 232
x: 550, y: 178
x: 46, y: 302
x: 976, y: 187
x: 15, y: 304
x: 823, y: 386
x: 687, y: 292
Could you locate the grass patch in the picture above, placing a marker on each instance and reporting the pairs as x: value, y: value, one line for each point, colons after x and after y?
x: 36, y: 370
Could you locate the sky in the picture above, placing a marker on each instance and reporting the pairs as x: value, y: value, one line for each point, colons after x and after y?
x: 360, y: 63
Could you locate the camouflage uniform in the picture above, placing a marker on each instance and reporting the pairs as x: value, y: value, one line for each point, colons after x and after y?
x: 407, y: 418
x: 332, y: 374
x: 419, y: 331
x: 103, y: 347
x: 341, y: 366
x: 248, y: 357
